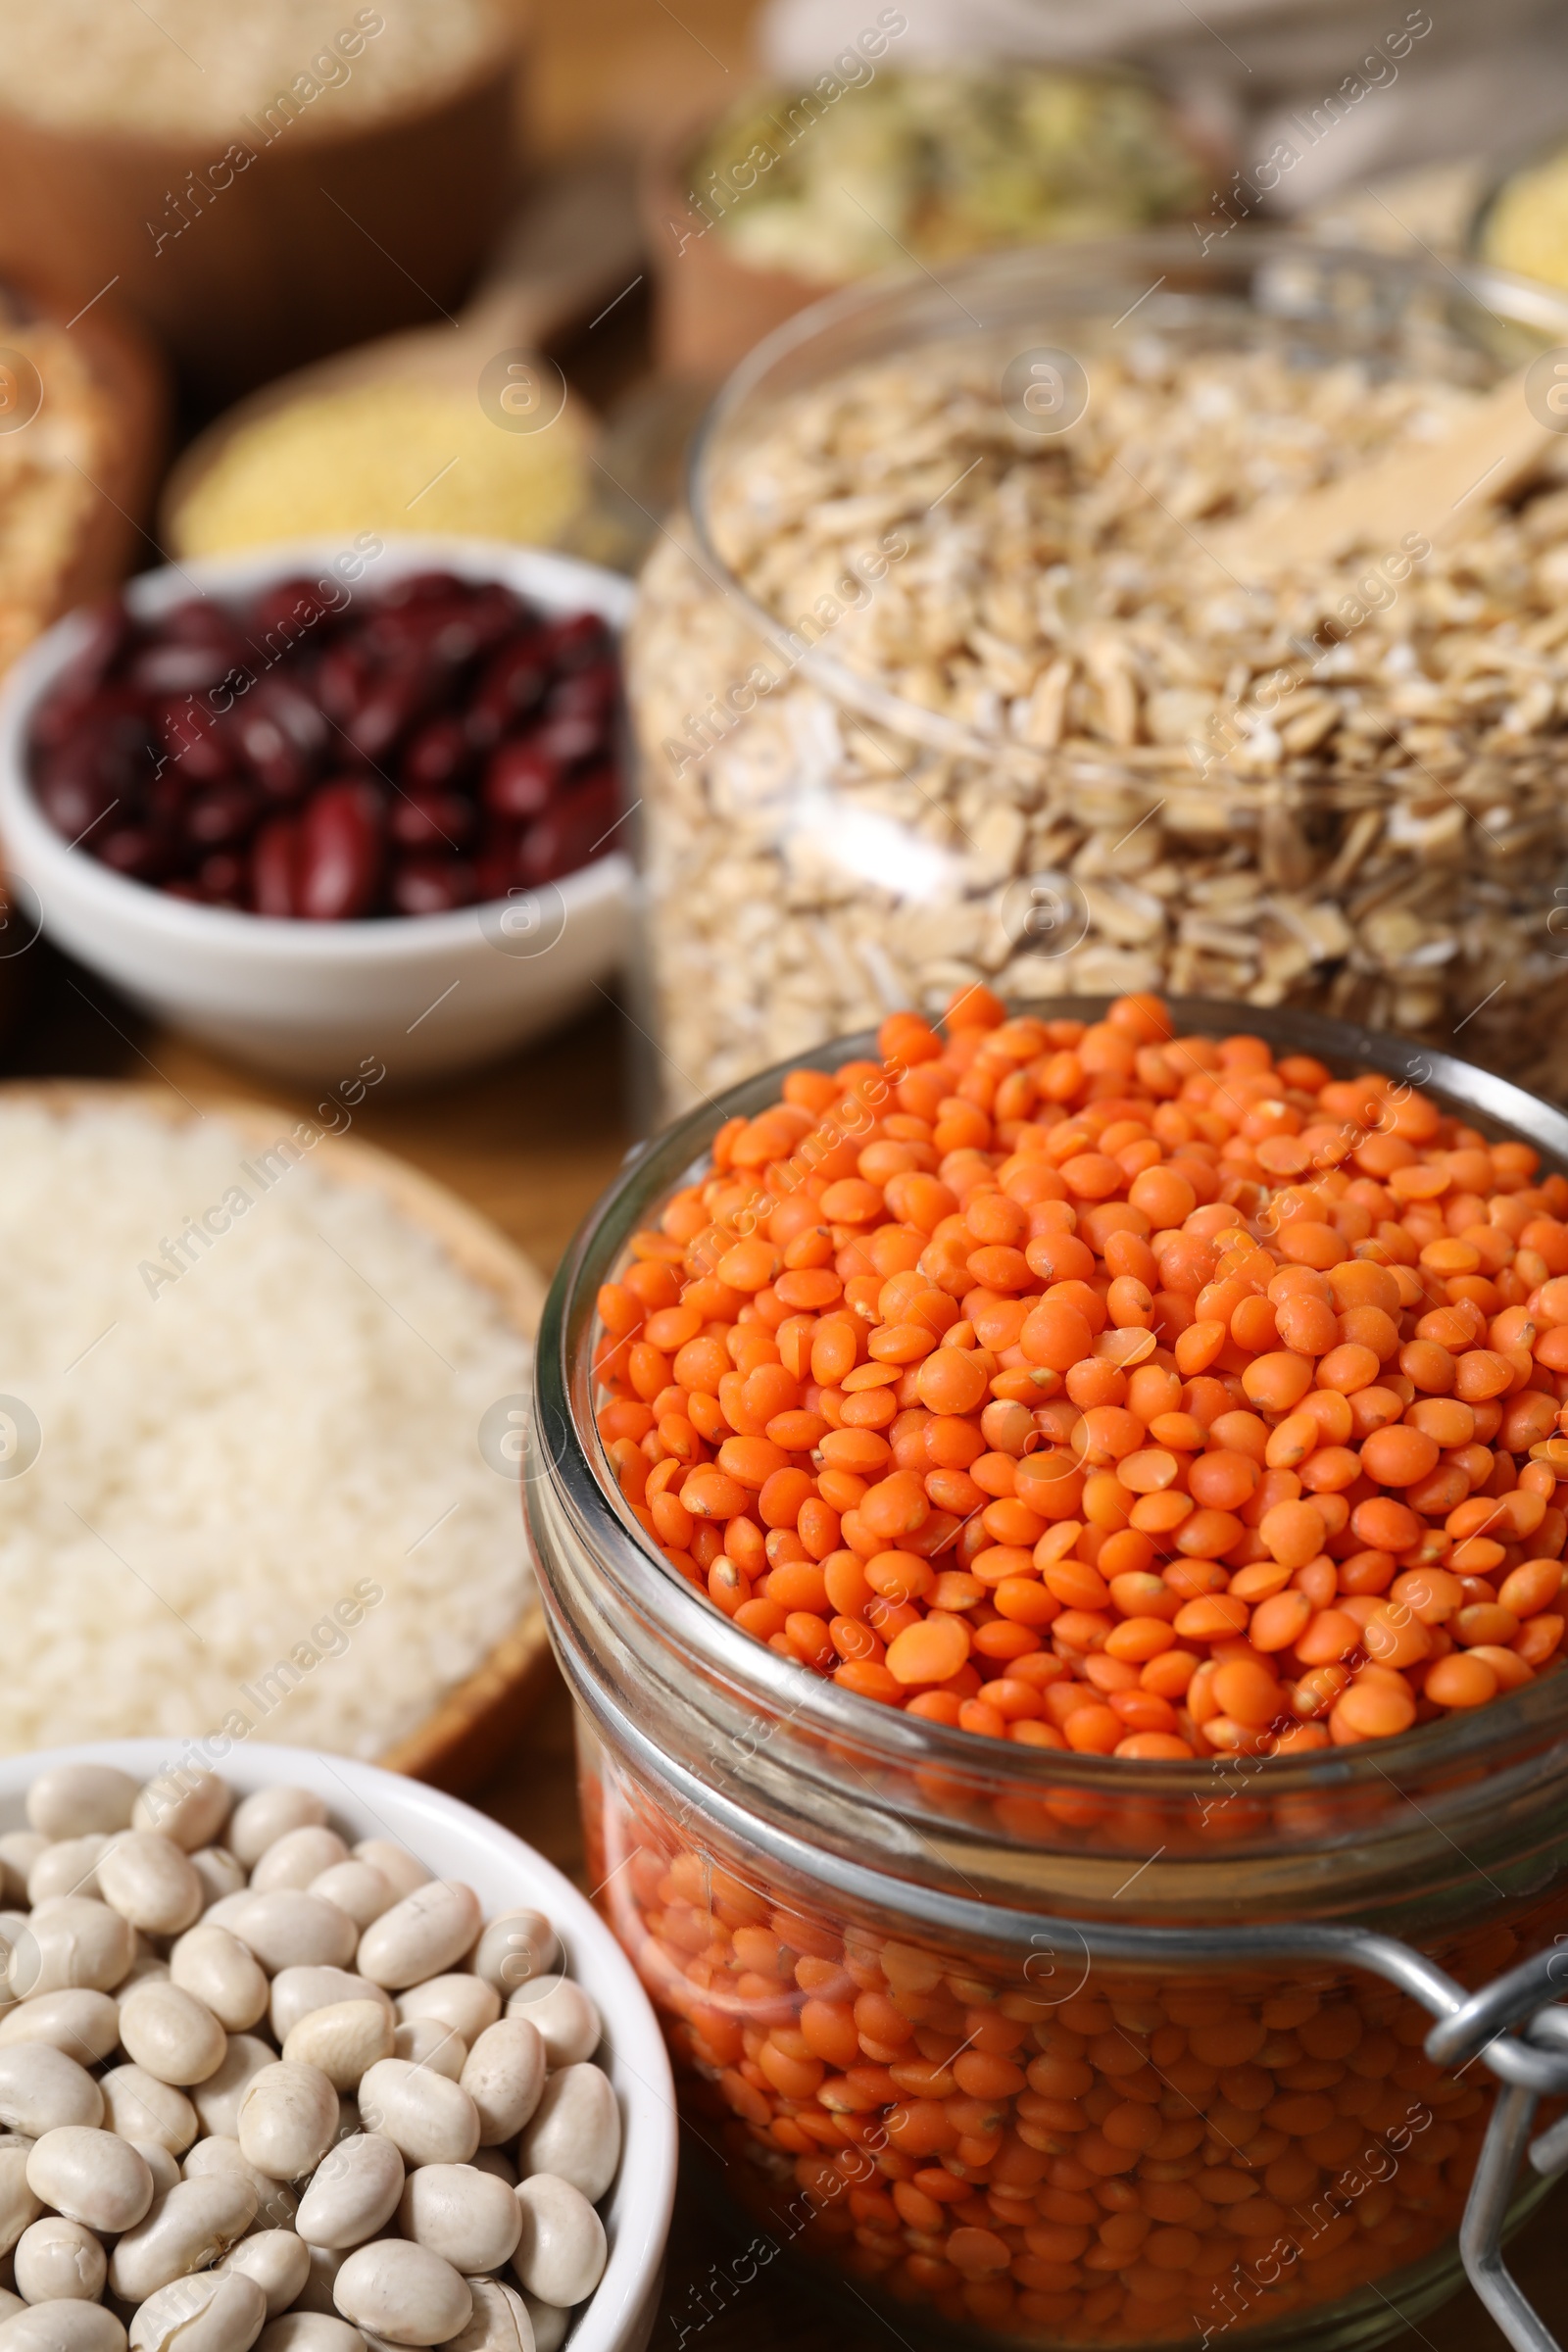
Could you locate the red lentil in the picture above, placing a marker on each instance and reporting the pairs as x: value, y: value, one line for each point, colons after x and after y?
x: 1163, y: 1386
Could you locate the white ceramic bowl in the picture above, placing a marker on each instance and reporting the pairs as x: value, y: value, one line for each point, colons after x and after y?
x: 454, y: 1842
x: 425, y: 993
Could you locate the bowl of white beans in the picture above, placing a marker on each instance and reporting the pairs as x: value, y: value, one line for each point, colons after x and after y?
x: 306, y: 2056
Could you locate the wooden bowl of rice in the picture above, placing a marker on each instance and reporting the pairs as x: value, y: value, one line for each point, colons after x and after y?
x: 260, y: 185
x: 226, y: 1435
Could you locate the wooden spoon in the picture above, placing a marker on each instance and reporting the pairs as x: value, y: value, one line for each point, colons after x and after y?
x: 574, y: 246
x: 1438, y: 489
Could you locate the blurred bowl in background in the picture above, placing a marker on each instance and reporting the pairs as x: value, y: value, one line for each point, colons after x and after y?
x: 755, y: 213
x: 429, y: 993
x: 254, y: 245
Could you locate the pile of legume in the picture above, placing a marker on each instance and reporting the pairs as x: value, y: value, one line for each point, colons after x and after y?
x: 1111, y: 1391
x: 273, y: 2090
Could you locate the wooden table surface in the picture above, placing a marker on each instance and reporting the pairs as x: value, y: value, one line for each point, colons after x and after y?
x: 533, y: 1139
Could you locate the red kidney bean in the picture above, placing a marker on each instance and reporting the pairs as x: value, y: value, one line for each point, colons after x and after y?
x: 431, y: 820
x: 274, y: 867
x: 219, y: 817
x: 570, y: 833
x: 519, y: 779
x: 135, y: 849
x: 437, y: 754
x: 340, y: 851
x: 223, y: 877
x: 197, y: 742
x: 430, y: 885
x: 213, y: 752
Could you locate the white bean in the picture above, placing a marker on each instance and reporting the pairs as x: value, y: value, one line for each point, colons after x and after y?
x: 426, y: 2042
x: 403, y: 2292
x: 275, y: 2202
x: 218, y: 2311
x: 18, y: 1851
x: 422, y: 1935
x: 20, y: 2202
x: 491, y: 2160
x: 92, y: 2177
x: 289, y: 1929
x: 84, y: 2025
x: 310, y: 2331
x: 343, y: 2039
x: 277, y: 2260
x: 287, y: 2120
x: 69, y: 1867
x: 74, y: 1798
x: 551, y: 2325
x: 42, y: 2091
x: 465, y: 2003
x: 354, y: 2194
x: 219, y: 1873
x: 565, y: 2016
x: 576, y: 2131
x: 357, y: 1887
x: 186, y: 2230
x: 220, y: 2098
x: 223, y: 1972
x: 516, y: 1945
x: 59, y: 2261
x: 561, y: 2254
x: 171, y: 2033
x: 297, y: 1857
x: 498, y: 2322
x: 62, y: 2328
x: 140, y: 2107
x: 317, y: 2292
x: 429, y: 2119
x: 9, y: 2304
x: 395, y: 1862
x: 72, y: 1941
x: 190, y: 1806
x: 505, y: 2077
x: 159, y: 2162
x: 464, y: 2216
x: 145, y: 1969
x: 296, y: 1992
x: 260, y: 1820
x: 227, y: 1908
x: 152, y: 1881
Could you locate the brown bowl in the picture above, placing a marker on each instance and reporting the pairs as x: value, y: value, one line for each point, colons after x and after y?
x: 327, y: 237
x: 710, y: 309
x: 118, y: 465
x: 461, y: 1744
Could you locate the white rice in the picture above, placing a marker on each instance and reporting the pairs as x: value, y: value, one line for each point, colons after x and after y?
x: 195, y: 65
x: 229, y: 1468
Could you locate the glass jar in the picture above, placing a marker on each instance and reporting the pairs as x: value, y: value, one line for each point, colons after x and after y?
x: 953, y: 2014
x: 934, y: 682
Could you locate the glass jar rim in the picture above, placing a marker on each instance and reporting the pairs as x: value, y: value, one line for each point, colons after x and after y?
x: 1007, y: 275
x: 573, y: 1458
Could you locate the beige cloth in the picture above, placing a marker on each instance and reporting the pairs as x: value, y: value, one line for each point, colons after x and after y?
x: 1354, y: 88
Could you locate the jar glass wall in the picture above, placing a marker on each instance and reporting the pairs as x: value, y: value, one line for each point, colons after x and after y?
x: 937, y: 681
x: 953, y: 2011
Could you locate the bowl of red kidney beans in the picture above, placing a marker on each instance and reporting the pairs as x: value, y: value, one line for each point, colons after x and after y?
x: 320, y: 801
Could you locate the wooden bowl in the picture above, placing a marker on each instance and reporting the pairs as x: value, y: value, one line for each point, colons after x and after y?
x: 710, y: 307
x: 327, y: 236
x: 464, y: 1739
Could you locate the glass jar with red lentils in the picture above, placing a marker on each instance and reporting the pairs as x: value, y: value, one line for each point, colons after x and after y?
x: 1042, y: 1849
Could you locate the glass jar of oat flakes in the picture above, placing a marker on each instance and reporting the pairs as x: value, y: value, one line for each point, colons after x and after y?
x: 935, y: 682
